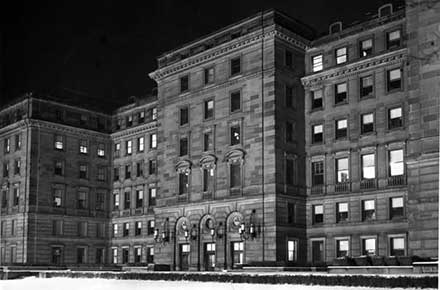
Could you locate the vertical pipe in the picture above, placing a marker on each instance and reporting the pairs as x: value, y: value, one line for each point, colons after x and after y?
x: 262, y: 132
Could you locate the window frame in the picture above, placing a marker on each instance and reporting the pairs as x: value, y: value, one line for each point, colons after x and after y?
x: 206, y: 109
x: 205, y: 80
x: 373, y: 130
x: 183, y: 90
x: 389, y: 120
x: 231, y: 93
x: 344, y: 56
x: 314, y: 67
x: 240, y: 71
x: 343, y: 101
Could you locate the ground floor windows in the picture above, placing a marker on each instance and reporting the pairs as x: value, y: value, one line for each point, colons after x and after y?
x: 342, y: 248
x: 397, y: 246
x: 237, y: 253
x: 114, y: 255
x: 81, y: 255
x: 292, y: 250
x: 184, y: 256
x: 368, y: 246
x: 209, y: 256
x: 57, y: 255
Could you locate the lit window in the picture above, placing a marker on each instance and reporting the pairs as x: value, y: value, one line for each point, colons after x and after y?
x: 394, y: 79
x: 141, y: 144
x: 183, y: 183
x: 129, y: 121
x: 115, y: 230
x: 396, y: 207
x: 368, y: 210
x: 137, y: 253
x: 366, y: 88
x: 341, y: 128
x: 114, y: 255
x: 83, y: 147
x: 207, y: 141
x: 318, y: 214
x: 153, y: 141
x: 317, y: 63
x: 139, y: 198
x: 115, y: 200
x: 369, y: 247
x: 341, y: 55
x: 366, y: 47
x: 128, y: 147
x: 367, y: 123
x: 141, y: 117
x: 397, y: 246
x: 138, y: 229
x: 150, y: 255
x: 342, y: 248
x: 368, y: 166
x: 393, y: 39
x: 117, y: 149
x: 101, y: 150
x: 235, y: 66
x: 235, y: 135
x: 59, y: 142
x: 340, y: 93
x: 342, y: 212
x: 7, y: 145
x: 292, y: 250
x: 396, y: 162
x: 17, y: 166
x: 17, y: 142
x: 151, y: 227
x: 209, y: 109
x: 184, y: 84
x: 316, y: 99
x: 342, y: 170
x: 152, y: 196
x: 209, y: 75
x: 57, y: 199
x: 317, y: 133
x: 395, y: 118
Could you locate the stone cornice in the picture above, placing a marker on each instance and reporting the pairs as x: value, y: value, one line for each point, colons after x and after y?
x: 221, y: 50
x: 351, y: 69
x: 67, y: 129
x: 14, y: 126
x: 135, y: 130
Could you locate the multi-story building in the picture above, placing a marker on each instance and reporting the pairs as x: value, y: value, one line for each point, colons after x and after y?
x: 233, y: 162
x: 364, y: 139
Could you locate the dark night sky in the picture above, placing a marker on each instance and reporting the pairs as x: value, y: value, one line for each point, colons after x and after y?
x: 106, y: 49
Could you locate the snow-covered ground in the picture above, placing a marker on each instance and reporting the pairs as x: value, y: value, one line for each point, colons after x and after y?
x: 102, y: 284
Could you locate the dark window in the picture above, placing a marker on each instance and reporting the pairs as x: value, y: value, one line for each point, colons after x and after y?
x: 209, y: 75
x: 367, y: 123
x: 139, y: 198
x: 151, y: 196
x: 235, y: 101
x: 17, y: 142
x: 128, y: 171
x: 139, y: 169
x: 183, y: 183
x: 127, y: 199
x: 16, y: 196
x: 318, y: 173
x: 235, y: 135
x: 141, y: 117
x: 235, y: 66
x: 138, y: 230
x: 184, y: 116
x: 317, y: 133
x: 82, y: 229
x: 366, y: 86
x: 208, y: 179
x: 82, y: 200
x: 57, y: 254
x: 150, y: 255
x: 291, y: 216
x: 129, y: 121
x: 366, y: 47
x: 289, y: 132
x: 100, y: 201
x: 289, y: 171
x: 4, y: 198
x: 137, y: 253
x: 318, y: 214
x: 116, y: 174
x: 184, y: 84
x: 5, y: 169
x: 83, y: 171
x: 83, y: 120
x: 341, y: 55
x: 209, y: 109
x: 289, y: 96
x: 317, y: 63
x: 152, y: 166
x: 151, y: 227
x: 183, y: 146
x: 341, y: 212
x: 396, y: 207
x: 394, y: 79
x: 340, y: 93
x: 101, y: 174
x: 207, y: 141
x: 57, y: 227
x: 341, y: 128
x: 397, y: 246
x: 288, y: 59
x: 316, y: 99
x: 395, y: 118
x: 393, y: 39
x: 235, y: 175
x: 101, y: 150
x: 368, y: 210
x: 117, y: 149
x: 125, y: 233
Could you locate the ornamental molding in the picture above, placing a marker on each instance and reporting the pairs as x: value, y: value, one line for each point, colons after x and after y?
x: 144, y: 128
x: 67, y: 129
x: 352, y: 69
x: 222, y: 50
x: 184, y: 166
x: 208, y: 161
x: 234, y: 155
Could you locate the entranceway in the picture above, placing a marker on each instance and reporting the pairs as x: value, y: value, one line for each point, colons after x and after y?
x: 184, y: 257
x: 209, y: 256
x: 237, y: 250
x: 317, y: 252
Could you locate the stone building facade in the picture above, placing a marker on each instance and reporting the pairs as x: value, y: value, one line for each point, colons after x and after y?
x: 263, y: 145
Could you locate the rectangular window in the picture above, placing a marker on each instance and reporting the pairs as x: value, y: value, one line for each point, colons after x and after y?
x: 184, y: 83
x: 292, y: 250
x: 117, y: 149
x: 396, y: 166
x: 152, y: 166
x: 7, y: 145
x: 288, y: 58
x: 341, y: 212
x: 141, y: 117
x: 396, y: 207
x: 139, y: 198
x: 340, y: 93
x: 318, y: 173
x: 151, y: 227
x: 151, y: 196
x: 368, y: 166
x: 99, y: 256
x: 395, y: 118
x: 57, y: 227
x: 288, y: 96
x: 207, y: 141
x: 137, y: 253
x: 368, y: 210
x: 116, y: 174
x: 367, y: 123
x: 129, y: 121
x: 4, y: 198
x: 318, y: 214
x: 57, y: 199
x: 126, y: 230
x: 83, y: 171
x: 100, y: 201
x: 209, y: 75
x: 128, y: 171
x: 139, y: 169
x: 82, y: 200
x: 366, y: 47
x: 208, y: 179
x: 115, y: 230
x: 184, y: 116
x: 317, y: 133
x: 114, y: 255
x: 115, y: 200
x: 397, y: 246
x: 183, y: 149
x: 127, y: 199
x: 342, y: 248
x: 101, y: 150
x: 394, y: 79
x: 235, y: 100
x: 291, y: 213
x: 138, y: 228
x: 16, y: 196
x: 82, y: 229
x: 341, y: 129
x: 150, y: 255
x: 183, y: 183
x: 17, y: 142
x: 366, y: 86
x: 316, y: 99
x: 59, y: 144
x: 235, y: 135
x: 152, y: 114
x: 238, y: 253
x: 101, y: 174
x: 235, y: 175
x: 141, y: 144
x: 341, y: 55
x: 153, y: 141
x: 289, y: 132
x: 342, y: 172
x: 209, y: 109
x: 59, y: 168
x: 369, y: 247
x: 128, y: 147
x: 317, y: 63
x: 83, y: 120
x: 290, y: 171
x: 83, y: 147
x: 17, y: 166
x: 5, y: 169
x: 235, y: 66
x: 393, y: 39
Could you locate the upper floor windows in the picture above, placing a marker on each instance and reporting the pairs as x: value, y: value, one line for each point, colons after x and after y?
x: 83, y: 171
x: 140, y: 144
x: 184, y: 83
x: 83, y: 148
x: 129, y: 121
x: 209, y: 109
x: 366, y: 47
x: 342, y: 173
x: 317, y: 63
x: 235, y: 66
x: 394, y: 39
x: 367, y: 123
x: 366, y: 86
x: 184, y: 116
x: 368, y: 166
x: 317, y: 133
x: 396, y: 207
x: 235, y: 134
x: 235, y: 101
x: 17, y: 142
x: 397, y: 246
x: 152, y: 114
x: 59, y: 142
x: 317, y: 173
x: 101, y: 150
x: 7, y: 145
x: 289, y: 132
x: 117, y: 149
x: 141, y: 117
x: 396, y: 166
x: 341, y: 212
x: 153, y: 141
x: 183, y: 149
x: 341, y: 128
x: 317, y: 99
x: 341, y: 55
x: 207, y: 141
x: 234, y: 175
x: 340, y: 93
x: 128, y: 147
x: 209, y: 75
x: 394, y: 79
x: 318, y: 214
x: 183, y: 183
x: 395, y: 118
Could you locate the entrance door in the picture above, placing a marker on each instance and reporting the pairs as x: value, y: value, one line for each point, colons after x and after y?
x: 209, y: 256
x: 237, y: 250
x: 184, y: 257
x: 317, y: 252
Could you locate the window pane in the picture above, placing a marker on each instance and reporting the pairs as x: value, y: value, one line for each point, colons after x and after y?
x: 317, y: 129
x: 367, y: 118
x: 368, y: 204
x: 343, y: 207
x: 343, y: 245
x: 397, y: 202
x: 394, y: 35
x: 319, y: 209
x: 367, y: 81
x: 396, y: 113
x: 341, y: 88
x: 342, y: 124
x: 367, y: 43
x: 317, y: 95
x: 343, y: 164
x: 398, y: 243
x: 317, y: 63
x: 395, y: 74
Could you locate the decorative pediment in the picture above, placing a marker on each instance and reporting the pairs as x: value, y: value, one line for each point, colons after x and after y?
x: 235, y: 155
x: 234, y: 221
x: 182, y: 225
x: 184, y: 166
x: 208, y: 161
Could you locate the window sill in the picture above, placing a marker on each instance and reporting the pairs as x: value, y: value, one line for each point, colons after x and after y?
x: 369, y: 96
x: 368, y: 134
x: 313, y: 110
x: 235, y: 76
x: 341, y: 104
